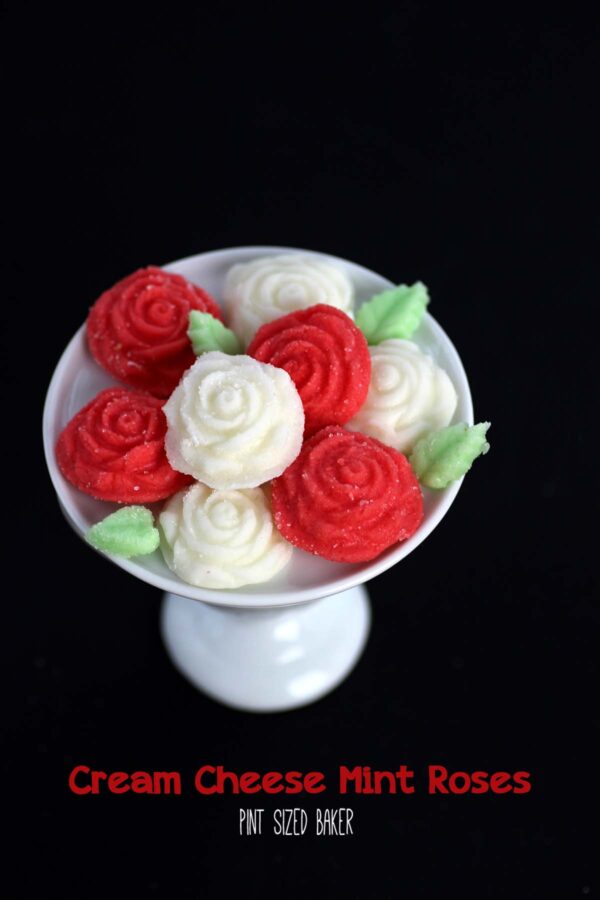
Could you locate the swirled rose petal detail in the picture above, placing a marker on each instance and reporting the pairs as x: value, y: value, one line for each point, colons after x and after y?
x: 222, y: 539
x: 271, y: 286
x: 327, y: 358
x: 233, y: 422
x: 113, y: 449
x: 347, y: 497
x: 409, y: 395
x: 137, y: 330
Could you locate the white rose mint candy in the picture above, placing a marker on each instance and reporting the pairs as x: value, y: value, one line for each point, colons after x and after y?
x: 221, y: 539
x: 409, y: 395
x: 233, y: 422
x: 269, y: 287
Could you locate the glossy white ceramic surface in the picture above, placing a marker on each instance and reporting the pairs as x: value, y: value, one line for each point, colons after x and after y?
x: 267, y: 660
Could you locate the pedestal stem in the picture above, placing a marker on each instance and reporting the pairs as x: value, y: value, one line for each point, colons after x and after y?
x: 266, y: 660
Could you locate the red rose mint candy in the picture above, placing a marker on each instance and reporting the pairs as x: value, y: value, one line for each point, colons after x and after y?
x: 327, y: 358
x: 347, y: 497
x: 137, y: 330
x: 114, y: 449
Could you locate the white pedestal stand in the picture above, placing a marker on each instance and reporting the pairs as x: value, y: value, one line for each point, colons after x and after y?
x: 267, y: 660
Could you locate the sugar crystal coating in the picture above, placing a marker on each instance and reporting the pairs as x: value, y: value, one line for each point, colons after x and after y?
x: 113, y: 449
x: 271, y: 286
x: 137, y: 329
x: 446, y: 455
x: 127, y: 532
x: 233, y: 422
x: 396, y: 313
x: 347, y: 497
x: 222, y: 539
x: 327, y: 358
x: 409, y: 395
x: 207, y: 333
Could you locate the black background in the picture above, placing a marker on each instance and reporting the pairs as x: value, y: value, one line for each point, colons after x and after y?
x: 422, y: 142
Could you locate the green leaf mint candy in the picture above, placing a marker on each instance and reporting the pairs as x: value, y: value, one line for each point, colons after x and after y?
x: 207, y: 333
x: 127, y: 532
x: 396, y: 313
x: 446, y: 455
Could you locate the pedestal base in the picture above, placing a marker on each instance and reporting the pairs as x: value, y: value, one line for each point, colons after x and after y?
x: 266, y: 660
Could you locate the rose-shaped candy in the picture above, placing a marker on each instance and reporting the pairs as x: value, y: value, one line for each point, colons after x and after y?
x: 114, y: 449
x: 221, y: 539
x: 327, y: 358
x: 269, y: 287
x: 347, y: 497
x: 409, y: 395
x: 137, y: 330
x: 233, y: 422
